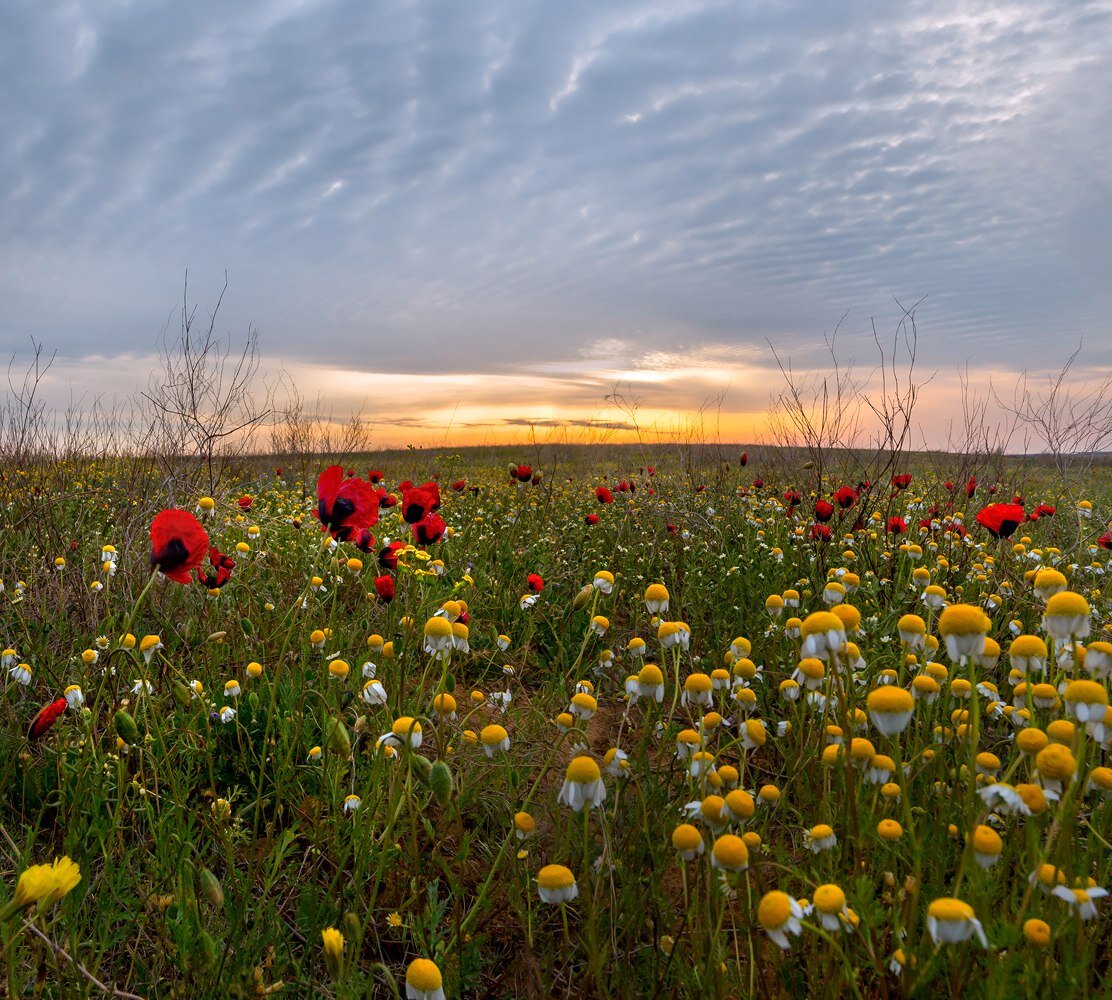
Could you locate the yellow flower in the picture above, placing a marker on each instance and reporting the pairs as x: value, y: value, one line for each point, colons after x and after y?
x: 46, y: 883
x: 333, y: 942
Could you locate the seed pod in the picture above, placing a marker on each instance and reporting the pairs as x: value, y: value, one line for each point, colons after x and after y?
x: 440, y: 781
x: 126, y: 728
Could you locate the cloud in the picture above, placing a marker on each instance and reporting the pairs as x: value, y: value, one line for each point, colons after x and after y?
x: 574, y: 191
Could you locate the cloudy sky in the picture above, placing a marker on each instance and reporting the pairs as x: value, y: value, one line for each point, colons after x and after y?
x: 484, y: 214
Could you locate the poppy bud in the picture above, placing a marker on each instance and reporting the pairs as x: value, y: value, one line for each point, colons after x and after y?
x: 353, y: 925
x: 210, y: 886
x: 440, y: 781
x: 248, y: 628
x: 208, y: 949
x: 126, y: 728
x: 336, y: 736
x: 422, y: 766
x: 181, y: 694
x: 583, y: 597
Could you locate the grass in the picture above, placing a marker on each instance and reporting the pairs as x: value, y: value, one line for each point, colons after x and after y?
x: 214, y: 853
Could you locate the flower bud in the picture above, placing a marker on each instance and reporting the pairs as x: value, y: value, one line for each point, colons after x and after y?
x: 126, y: 728
x: 440, y: 781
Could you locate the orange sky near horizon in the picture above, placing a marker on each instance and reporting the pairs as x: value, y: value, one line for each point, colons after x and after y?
x: 669, y: 402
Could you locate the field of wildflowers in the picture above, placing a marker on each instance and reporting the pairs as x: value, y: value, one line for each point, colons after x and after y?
x: 443, y: 727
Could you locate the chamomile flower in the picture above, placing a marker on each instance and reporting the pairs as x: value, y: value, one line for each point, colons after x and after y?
x: 423, y: 980
x: 950, y: 921
x: 556, y: 884
x: 494, y: 738
x: 829, y: 904
x: 582, y: 785
x: 729, y: 853
x: 780, y: 915
x: 687, y: 842
x: 890, y: 709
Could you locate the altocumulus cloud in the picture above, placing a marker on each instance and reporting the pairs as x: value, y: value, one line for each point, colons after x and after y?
x: 557, y: 194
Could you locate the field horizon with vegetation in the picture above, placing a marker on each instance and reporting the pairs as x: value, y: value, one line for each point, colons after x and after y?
x: 610, y: 721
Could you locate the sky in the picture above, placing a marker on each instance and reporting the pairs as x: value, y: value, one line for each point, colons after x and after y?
x: 467, y: 220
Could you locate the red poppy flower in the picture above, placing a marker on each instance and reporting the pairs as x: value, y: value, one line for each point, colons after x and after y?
x: 1105, y: 540
x: 1017, y: 499
x: 244, y: 502
x: 430, y: 530
x: 178, y: 544
x: 603, y: 495
x: 278, y: 472
x: 459, y: 486
x: 896, y: 525
x: 744, y: 460
x: 363, y: 540
x: 1045, y: 510
x: 385, y: 588
x: 344, y: 505
x: 758, y: 483
x: 385, y: 498
x: 535, y: 582
x: 388, y: 557
x: 824, y: 510
x: 221, y: 571
x: 591, y: 519
x: 971, y: 486
x: 820, y: 532
x: 652, y: 470
x: 792, y: 498
x: 902, y: 480
x: 949, y: 484
x: 416, y: 504
x: 672, y: 529
x: 845, y: 497
x: 375, y: 477
x: 1001, y: 520
x: 523, y: 473
x: 45, y: 718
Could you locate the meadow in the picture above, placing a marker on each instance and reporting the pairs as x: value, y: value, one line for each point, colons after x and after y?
x: 580, y: 722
